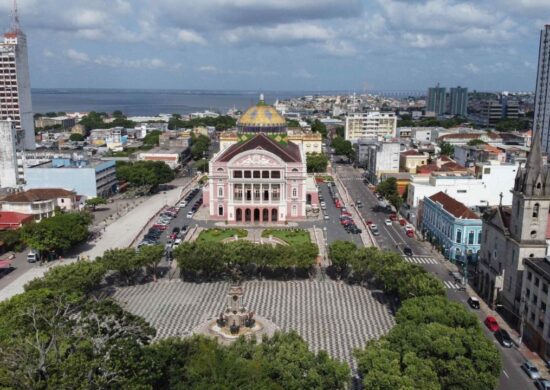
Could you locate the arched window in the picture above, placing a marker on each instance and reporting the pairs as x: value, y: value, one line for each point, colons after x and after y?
x: 533, y: 233
x: 536, y: 208
x: 471, y: 237
x: 220, y: 210
x: 219, y: 169
x: 539, y: 186
x: 294, y: 192
x: 459, y: 236
x: 220, y: 192
x: 294, y: 210
x: 294, y: 169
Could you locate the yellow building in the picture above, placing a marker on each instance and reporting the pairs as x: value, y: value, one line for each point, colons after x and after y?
x: 411, y: 159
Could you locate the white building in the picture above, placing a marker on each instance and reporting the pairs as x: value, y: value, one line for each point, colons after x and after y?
x: 541, y: 121
x: 15, y: 85
x: 481, y: 189
x: 373, y: 124
x: 379, y: 158
x: 9, y: 176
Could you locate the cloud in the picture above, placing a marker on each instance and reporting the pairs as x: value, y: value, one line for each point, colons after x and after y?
x: 340, y: 48
x: 285, y: 34
x: 188, y: 36
x: 77, y: 56
x: 208, y: 69
x: 47, y: 53
x: 303, y: 74
x: 474, y: 69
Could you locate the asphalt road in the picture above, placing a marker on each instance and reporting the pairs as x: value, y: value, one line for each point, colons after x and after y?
x: 393, y: 238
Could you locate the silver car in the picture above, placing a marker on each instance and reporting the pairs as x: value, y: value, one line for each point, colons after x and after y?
x: 530, y: 369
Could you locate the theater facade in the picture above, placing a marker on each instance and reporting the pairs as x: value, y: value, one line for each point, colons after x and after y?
x: 262, y: 177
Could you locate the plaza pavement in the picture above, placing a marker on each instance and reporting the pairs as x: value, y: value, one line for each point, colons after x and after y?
x: 119, y: 234
x: 329, y: 315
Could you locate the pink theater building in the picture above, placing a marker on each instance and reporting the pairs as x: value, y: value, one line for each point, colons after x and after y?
x: 259, y: 180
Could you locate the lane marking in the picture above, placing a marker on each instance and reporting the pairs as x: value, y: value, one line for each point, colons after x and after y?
x: 505, y: 373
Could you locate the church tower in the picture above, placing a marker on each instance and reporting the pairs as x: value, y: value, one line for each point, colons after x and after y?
x: 531, y: 198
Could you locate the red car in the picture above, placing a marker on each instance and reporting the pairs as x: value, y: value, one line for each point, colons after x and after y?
x: 345, y: 213
x: 402, y: 222
x: 160, y: 227
x: 491, y: 323
x: 393, y: 217
x: 369, y: 222
x: 410, y: 233
x: 347, y: 222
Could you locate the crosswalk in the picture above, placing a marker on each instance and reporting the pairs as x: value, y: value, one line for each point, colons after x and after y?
x: 451, y: 285
x: 420, y: 259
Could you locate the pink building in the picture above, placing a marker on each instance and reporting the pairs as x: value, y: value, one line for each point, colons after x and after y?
x: 259, y: 180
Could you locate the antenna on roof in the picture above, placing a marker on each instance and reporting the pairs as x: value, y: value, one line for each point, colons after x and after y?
x: 15, y: 17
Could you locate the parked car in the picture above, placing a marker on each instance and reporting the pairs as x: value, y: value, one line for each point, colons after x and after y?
x: 190, y: 214
x: 388, y: 222
x: 177, y: 241
x: 491, y: 323
x: 409, y: 233
x: 326, y: 216
x: 402, y: 222
x: 359, y: 204
x: 504, y: 338
x: 407, y: 251
x: 182, y: 204
x: 542, y: 384
x: 184, y: 229
x: 530, y: 369
x: 369, y: 222
x: 160, y: 226
x: 473, y: 302
x: 32, y: 256
x: 393, y: 217
x: 345, y: 213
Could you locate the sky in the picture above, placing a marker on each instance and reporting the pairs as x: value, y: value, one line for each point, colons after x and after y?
x: 401, y: 45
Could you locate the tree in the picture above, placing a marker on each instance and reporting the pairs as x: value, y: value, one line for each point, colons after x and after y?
x: 340, y: 131
x: 152, y: 138
x: 80, y: 277
x: 94, y: 202
x: 144, y: 173
x: 124, y: 262
x: 476, y: 142
x: 446, y: 149
x: 57, y: 233
x: 387, y: 187
x: 319, y: 127
x: 76, y: 137
x: 149, y: 256
x: 316, y: 162
x: 201, y: 143
x: 202, y: 165
x: 343, y: 147
x: 341, y: 254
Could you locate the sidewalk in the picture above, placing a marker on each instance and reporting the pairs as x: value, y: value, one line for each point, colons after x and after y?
x: 118, y: 234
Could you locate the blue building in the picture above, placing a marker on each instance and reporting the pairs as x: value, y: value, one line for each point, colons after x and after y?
x: 449, y: 223
x: 88, y: 178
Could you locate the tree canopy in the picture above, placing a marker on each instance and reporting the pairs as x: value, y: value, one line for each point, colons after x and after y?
x: 388, y: 189
x: 475, y: 142
x: 94, y: 202
x: 221, y: 123
x: 446, y: 149
x: 319, y: 127
x: 57, y: 233
x: 200, y: 146
x: 76, y: 137
x: 144, y: 173
x: 316, y: 162
x: 343, y: 147
x: 152, y: 138
x: 95, y: 120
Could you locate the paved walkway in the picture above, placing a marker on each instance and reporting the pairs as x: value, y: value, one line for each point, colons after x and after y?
x: 118, y: 234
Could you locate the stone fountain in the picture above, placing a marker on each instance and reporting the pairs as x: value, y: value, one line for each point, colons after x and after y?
x: 236, y: 320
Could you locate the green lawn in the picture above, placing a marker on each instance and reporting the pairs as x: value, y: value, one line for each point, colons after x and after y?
x: 291, y: 236
x: 217, y: 235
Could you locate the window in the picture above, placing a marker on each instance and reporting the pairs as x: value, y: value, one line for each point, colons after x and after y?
x: 486, y: 171
x: 461, y: 191
x: 532, y: 317
x: 535, y: 299
x: 294, y: 192
x: 459, y: 236
x: 529, y: 275
x: 220, y: 192
x: 479, y: 237
x: 237, y: 174
x: 294, y: 210
x: 527, y: 291
x: 543, y: 307
x: 540, y: 324
x: 220, y: 211
x: 536, y: 208
x: 294, y: 169
x: 533, y: 233
x: 536, y: 281
x: 545, y: 288
x: 247, y: 174
x: 471, y: 237
x: 256, y: 174
x: 265, y: 174
x: 275, y: 174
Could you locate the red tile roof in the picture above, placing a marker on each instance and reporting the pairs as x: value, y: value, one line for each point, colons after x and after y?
x: 288, y: 153
x: 453, y: 206
x: 13, y: 220
x: 38, y: 194
x: 411, y: 152
x: 451, y: 167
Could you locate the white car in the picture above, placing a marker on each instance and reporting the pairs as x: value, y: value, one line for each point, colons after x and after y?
x: 323, y: 204
x: 190, y: 214
x: 177, y: 242
x: 182, y: 204
x: 373, y: 226
x: 388, y: 222
x: 326, y: 216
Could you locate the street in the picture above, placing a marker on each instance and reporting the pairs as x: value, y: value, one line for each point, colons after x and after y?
x: 393, y: 238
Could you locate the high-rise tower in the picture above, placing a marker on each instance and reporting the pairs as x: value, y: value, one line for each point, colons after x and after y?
x: 15, y: 85
x: 437, y: 100
x: 542, y: 94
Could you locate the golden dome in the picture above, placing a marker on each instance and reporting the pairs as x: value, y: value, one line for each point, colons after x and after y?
x: 261, y: 118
